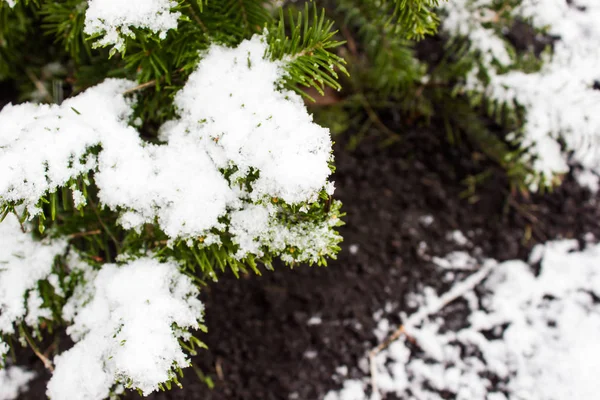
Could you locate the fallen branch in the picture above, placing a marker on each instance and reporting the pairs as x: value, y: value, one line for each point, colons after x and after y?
x: 433, y: 308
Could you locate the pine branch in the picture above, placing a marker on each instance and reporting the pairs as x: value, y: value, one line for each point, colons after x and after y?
x: 251, y: 15
x: 65, y: 20
x: 415, y: 18
x: 306, y: 49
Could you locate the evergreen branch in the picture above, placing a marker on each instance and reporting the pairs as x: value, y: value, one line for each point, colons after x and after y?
x: 197, y: 18
x: 415, y: 18
x: 65, y: 20
x: 307, y: 50
x: 387, y: 64
x: 251, y: 15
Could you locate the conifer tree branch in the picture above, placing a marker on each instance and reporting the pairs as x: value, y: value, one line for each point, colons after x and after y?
x: 307, y: 49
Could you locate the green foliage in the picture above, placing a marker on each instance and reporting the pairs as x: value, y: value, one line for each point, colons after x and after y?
x: 384, y: 70
x: 65, y: 21
x: 250, y: 15
x: 415, y: 17
x: 306, y: 50
x: 45, y: 52
x: 387, y: 65
x: 14, y: 25
x: 389, y: 48
x: 365, y: 52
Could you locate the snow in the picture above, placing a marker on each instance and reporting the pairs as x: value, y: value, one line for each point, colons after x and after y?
x: 13, y: 381
x: 456, y: 260
x: 353, y: 390
x: 589, y: 179
x: 222, y: 126
x: 219, y: 105
x: 227, y: 155
x: 126, y: 321
x: 536, y: 336
x: 110, y: 22
x: 426, y: 220
x: 228, y: 165
x: 43, y: 147
x: 457, y: 237
x: 560, y: 99
x: 113, y: 19
x: 79, y: 199
x: 466, y: 18
x: 23, y: 263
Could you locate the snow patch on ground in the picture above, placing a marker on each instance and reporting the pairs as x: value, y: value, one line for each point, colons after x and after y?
x: 534, y: 338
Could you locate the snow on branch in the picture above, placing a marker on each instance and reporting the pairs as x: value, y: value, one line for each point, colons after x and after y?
x: 127, y: 324
x: 112, y: 19
x: 243, y: 161
x: 560, y: 99
x: 13, y: 381
x: 23, y: 263
x: 43, y: 147
x: 240, y: 146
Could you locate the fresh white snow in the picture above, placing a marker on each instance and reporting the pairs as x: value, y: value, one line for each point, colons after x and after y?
x: 226, y: 165
x: 127, y: 322
x: 110, y: 21
x: 272, y: 144
x: 23, y: 263
x: 13, y: 380
x: 43, y: 147
x: 113, y: 19
x: 535, y: 335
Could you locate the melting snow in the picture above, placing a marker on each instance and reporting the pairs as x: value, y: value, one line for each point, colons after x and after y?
x: 535, y: 337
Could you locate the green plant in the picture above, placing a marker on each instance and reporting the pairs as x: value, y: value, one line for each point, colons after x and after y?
x: 166, y: 143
